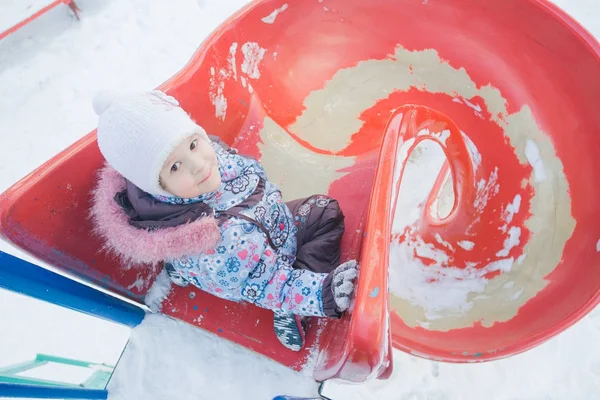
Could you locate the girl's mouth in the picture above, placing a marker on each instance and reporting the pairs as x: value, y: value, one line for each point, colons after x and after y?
x: 206, y: 178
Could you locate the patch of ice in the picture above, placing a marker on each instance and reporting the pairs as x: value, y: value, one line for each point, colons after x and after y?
x: 253, y: 54
x: 476, y: 107
x: 441, y: 136
x: 473, y: 151
x: 158, y: 292
x: 313, y: 353
x: 440, y: 289
x: 441, y: 241
x: 517, y: 295
x: 532, y: 152
x: 486, y: 189
x: 220, y: 103
x: 514, y: 233
x: 231, y: 59
x: 510, y: 211
x: 466, y: 244
x: 429, y: 251
x: 138, y: 284
x: 217, y: 98
x: 269, y: 19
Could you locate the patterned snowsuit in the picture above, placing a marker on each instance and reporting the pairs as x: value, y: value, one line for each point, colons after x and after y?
x: 254, y: 260
x: 273, y: 255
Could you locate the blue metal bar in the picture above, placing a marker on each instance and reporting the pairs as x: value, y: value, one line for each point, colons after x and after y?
x: 50, y: 392
x: 31, y: 280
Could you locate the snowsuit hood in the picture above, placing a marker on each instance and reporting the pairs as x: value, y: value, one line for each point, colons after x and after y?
x: 139, y: 229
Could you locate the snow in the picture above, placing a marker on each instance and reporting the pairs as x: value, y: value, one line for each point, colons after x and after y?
x: 466, y: 244
x: 473, y: 151
x: 514, y: 233
x: 158, y: 291
x: 269, y: 19
x: 485, y: 188
x: 55, y: 64
x: 253, y: 55
x: 565, y: 368
x: 439, y: 289
x: 510, y: 211
x: 535, y: 159
x: 231, y: 59
x: 218, y: 99
x: 15, y: 11
x: 169, y: 359
x: 30, y: 326
x: 49, y: 71
x: 442, y: 136
x: 59, y: 372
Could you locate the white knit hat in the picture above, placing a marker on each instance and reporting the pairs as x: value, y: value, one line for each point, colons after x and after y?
x: 138, y: 131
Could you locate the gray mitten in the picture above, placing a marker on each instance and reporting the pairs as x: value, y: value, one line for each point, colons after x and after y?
x: 343, y: 284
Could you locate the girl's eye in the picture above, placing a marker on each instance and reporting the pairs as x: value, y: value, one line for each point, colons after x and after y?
x: 194, y: 144
x: 175, y: 166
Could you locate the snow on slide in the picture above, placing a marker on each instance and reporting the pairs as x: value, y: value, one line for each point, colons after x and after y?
x: 170, y: 359
x: 15, y: 11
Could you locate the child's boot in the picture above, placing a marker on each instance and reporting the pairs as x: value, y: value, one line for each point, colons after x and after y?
x: 290, y: 330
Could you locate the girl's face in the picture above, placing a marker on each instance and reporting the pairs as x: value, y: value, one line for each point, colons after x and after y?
x: 191, y: 169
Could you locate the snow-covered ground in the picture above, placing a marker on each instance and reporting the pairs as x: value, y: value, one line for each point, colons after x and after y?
x: 30, y: 327
x: 49, y: 71
x: 169, y: 359
x: 15, y: 11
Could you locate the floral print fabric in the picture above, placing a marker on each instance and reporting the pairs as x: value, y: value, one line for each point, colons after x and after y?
x: 254, y: 260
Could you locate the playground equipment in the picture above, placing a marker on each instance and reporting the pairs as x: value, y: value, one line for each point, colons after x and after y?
x: 40, y: 9
x: 31, y: 280
x: 332, y: 96
x: 32, y: 372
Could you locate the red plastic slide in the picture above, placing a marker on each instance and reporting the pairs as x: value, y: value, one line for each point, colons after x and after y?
x: 321, y: 92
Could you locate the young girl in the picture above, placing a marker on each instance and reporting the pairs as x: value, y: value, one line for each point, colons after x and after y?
x: 171, y: 194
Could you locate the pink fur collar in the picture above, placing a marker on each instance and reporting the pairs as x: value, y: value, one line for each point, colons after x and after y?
x: 137, y: 246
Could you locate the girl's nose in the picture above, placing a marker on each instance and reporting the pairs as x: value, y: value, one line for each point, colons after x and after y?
x: 196, y: 166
